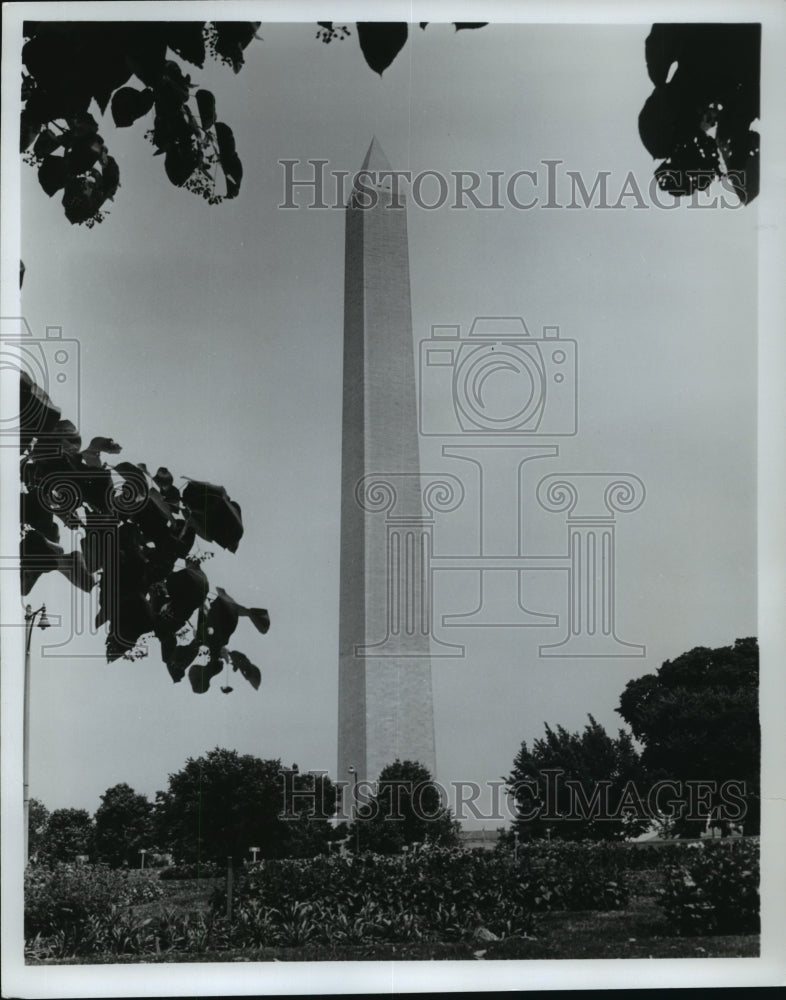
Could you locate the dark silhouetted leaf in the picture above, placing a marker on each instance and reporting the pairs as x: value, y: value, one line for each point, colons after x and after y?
x: 233, y: 173
x: 30, y: 126
x: 242, y: 663
x: 183, y: 537
x: 179, y: 657
x: 706, y: 78
x: 52, y: 174
x: 226, y: 140
x: 68, y: 436
x: 187, y: 589
x: 110, y: 177
x: 186, y: 38
x: 81, y: 154
x: 163, y: 478
x: 134, y: 618
x: 232, y: 37
x: 82, y: 199
x: 200, y: 674
x: 92, y: 454
x: 165, y: 482
x: 37, y: 555
x: 220, y: 623
x: 47, y: 142
x: 461, y: 26
x: 206, y: 104
x: 83, y: 125
x: 128, y: 104
x: 180, y: 162
x: 74, y: 568
x: 258, y: 616
x: 172, y: 88
x: 37, y: 516
x: 381, y: 42
x: 215, y: 517
x: 38, y: 414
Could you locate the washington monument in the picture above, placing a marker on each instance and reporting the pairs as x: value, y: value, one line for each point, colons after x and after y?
x: 385, y: 697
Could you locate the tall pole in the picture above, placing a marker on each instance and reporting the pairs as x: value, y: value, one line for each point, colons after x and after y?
x: 26, y: 739
x: 354, y: 772
x: 30, y: 617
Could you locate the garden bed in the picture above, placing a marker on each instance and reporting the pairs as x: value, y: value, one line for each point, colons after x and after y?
x: 554, y: 901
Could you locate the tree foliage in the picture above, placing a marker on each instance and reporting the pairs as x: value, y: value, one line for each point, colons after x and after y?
x: 698, y: 120
x: 131, y: 68
x: 224, y: 803
x: 138, y: 533
x: 380, y: 41
x: 406, y: 809
x: 554, y: 783
x: 38, y: 819
x: 69, y: 833
x: 698, y: 720
x: 123, y: 825
x: 127, y: 67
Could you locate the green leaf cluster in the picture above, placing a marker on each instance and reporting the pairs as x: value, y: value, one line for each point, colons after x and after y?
x: 142, y: 560
x: 126, y: 66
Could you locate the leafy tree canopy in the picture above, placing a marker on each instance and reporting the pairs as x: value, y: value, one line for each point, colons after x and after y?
x: 224, y: 803
x: 698, y: 119
x: 37, y: 822
x: 123, y: 825
x: 554, y: 785
x: 137, y: 536
x: 406, y: 809
x: 68, y: 833
x: 698, y: 719
x: 131, y: 68
x: 70, y: 65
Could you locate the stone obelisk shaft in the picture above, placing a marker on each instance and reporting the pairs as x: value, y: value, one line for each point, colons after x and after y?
x: 385, y: 701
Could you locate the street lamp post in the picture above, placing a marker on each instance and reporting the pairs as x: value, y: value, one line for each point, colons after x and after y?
x: 354, y: 772
x: 43, y: 622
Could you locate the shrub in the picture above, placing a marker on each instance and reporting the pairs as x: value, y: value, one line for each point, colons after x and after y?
x: 67, y: 906
x: 571, y: 875
x: 435, y: 893
x: 716, y: 890
x: 207, y: 869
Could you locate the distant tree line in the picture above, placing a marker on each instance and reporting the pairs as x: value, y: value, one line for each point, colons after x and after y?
x: 695, y: 721
x: 224, y: 803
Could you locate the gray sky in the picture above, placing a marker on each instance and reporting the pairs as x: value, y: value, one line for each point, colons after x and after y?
x: 211, y: 343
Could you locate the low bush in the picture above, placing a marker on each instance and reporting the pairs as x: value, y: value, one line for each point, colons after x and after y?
x: 69, y: 901
x: 435, y: 893
x: 432, y: 895
x: 208, y: 869
x: 574, y: 875
x: 715, y: 890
